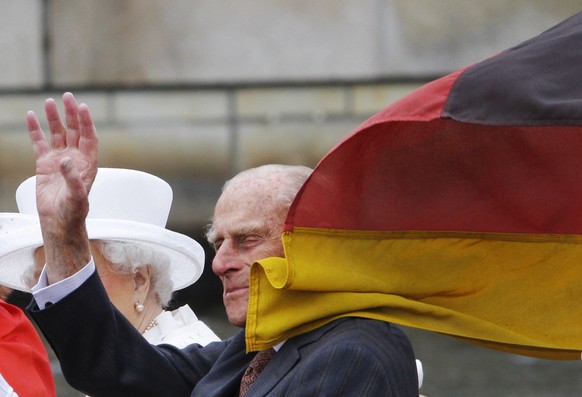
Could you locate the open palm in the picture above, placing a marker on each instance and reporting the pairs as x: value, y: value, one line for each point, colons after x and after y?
x: 65, y: 168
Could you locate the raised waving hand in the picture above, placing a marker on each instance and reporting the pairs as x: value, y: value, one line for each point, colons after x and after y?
x: 65, y: 170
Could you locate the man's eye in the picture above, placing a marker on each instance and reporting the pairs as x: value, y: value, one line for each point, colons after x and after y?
x: 249, y: 240
x: 217, y: 245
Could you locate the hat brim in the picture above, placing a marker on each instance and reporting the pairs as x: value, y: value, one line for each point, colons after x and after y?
x: 20, y: 236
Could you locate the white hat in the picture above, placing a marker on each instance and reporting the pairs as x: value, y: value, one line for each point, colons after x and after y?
x: 124, y: 205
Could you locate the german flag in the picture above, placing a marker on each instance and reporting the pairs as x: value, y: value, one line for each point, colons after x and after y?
x: 457, y: 209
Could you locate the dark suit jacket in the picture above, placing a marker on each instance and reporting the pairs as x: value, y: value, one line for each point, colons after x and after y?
x: 102, y: 354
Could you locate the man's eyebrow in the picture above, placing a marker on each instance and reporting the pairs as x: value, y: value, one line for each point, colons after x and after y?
x: 255, y: 227
x: 211, y: 237
x: 249, y: 229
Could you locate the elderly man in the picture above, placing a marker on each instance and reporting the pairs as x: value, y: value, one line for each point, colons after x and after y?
x: 347, y: 357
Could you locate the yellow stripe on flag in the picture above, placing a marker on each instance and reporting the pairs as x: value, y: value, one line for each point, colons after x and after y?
x: 513, y: 292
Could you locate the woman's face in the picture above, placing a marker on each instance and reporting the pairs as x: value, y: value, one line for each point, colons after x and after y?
x: 120, y: 288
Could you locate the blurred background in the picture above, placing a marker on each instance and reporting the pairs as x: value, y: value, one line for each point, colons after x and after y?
x: 195, y: 91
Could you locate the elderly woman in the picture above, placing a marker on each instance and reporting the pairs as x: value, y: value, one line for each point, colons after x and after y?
x: 140, y: 262
x: 138, y: 284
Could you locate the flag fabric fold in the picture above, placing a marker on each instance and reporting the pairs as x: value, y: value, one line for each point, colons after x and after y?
x: 457, y: 209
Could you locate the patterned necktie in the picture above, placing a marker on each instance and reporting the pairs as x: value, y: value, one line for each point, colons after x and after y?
x: 254, y: 369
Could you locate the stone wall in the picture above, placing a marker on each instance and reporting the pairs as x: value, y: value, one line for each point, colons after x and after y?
x: 194, y: 90
x: 196, y: 139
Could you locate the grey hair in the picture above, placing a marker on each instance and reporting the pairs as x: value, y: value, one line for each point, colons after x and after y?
x: 128, y: 257
x: 294, y: 176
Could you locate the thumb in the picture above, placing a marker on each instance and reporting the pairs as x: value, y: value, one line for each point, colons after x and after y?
x: 73, y: 178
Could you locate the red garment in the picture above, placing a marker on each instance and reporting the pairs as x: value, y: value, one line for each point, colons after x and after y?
x: 24, y: 362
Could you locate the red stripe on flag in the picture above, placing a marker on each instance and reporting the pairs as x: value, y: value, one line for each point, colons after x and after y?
x: 449, y: 176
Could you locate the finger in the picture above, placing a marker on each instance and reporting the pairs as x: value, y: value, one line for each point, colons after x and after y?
x: 56, y: 127
x: 88, y: 142
x: 75, y: 186
x: 37, y: 138
x: 88, y: 131
x: 72, y: 119
x: 70, y: 173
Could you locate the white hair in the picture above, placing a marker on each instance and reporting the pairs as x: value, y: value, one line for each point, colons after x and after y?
x: 294, y: 178
x: 285, y: 182
x: 128, y: 257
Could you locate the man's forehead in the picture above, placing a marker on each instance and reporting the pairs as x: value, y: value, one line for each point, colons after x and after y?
x: 247, y: 205
x: 243, y: 217
x: 251, y: 198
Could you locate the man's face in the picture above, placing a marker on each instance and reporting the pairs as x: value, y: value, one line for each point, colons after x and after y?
x: 245, y: 230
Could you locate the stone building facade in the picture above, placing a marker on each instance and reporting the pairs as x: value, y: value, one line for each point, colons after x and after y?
x: 195, y: 90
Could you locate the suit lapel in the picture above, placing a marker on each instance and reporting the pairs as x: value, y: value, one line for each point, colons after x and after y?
x: 285, y: 359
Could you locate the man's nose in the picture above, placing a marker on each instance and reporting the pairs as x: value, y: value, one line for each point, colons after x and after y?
x: 224, y: 259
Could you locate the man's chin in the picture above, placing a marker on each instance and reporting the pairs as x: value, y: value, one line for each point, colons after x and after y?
x: 237, y: 320
x: 236, y: 316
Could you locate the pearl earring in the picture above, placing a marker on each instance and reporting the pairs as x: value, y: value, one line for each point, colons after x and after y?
x: 139, y: 307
